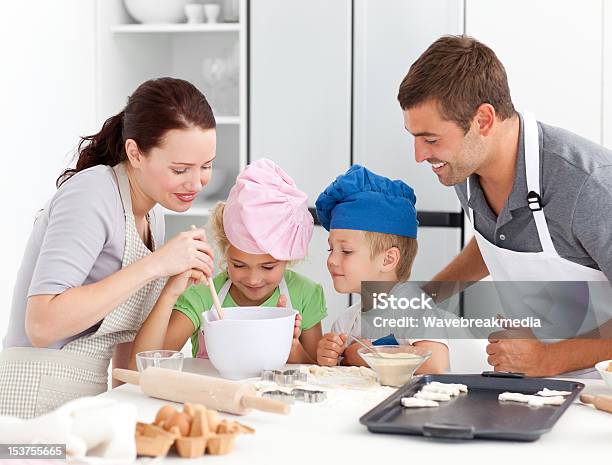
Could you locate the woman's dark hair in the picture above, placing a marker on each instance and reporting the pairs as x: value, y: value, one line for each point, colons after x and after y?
x: 156, y: 107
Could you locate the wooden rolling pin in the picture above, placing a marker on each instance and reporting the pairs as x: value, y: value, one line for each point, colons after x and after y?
x: 214, y: 393
x: 600, y: 402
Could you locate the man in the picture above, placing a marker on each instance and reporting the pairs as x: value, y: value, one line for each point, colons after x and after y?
x: 539, y: 197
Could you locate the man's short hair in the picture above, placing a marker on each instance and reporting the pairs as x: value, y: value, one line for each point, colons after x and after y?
x: 460, y: 74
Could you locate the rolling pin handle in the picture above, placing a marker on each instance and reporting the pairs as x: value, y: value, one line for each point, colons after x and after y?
x: 127, y: 376
x: 266, y: 405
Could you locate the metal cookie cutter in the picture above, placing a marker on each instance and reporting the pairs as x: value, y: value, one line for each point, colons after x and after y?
x: 302, y: 395
x: 281, y: 396
x: 309, y: 396
x: 284, y: 377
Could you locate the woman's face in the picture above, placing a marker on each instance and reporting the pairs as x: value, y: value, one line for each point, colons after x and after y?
x: 173, y: 173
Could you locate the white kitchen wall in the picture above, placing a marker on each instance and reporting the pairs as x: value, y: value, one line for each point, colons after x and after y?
x: 47, y: 89
x: 552, y: 51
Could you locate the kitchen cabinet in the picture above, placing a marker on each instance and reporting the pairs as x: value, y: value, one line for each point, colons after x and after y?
x: 607, y: 75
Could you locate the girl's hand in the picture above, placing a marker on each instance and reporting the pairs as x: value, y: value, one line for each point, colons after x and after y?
x: 297, y: 328
x: 184, y: 252
x: 177, y: 284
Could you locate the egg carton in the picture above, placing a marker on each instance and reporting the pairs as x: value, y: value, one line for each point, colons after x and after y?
x: 193, y: 432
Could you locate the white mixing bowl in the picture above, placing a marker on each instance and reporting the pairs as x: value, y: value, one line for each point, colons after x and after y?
x: 248, y: 340
x: 157, y: 11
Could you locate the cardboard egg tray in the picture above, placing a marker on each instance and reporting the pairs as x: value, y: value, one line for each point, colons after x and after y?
x: 193, y: 432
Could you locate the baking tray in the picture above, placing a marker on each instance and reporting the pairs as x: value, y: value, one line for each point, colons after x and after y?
x: 477, y: 414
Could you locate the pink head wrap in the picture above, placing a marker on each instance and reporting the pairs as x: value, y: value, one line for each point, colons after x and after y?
x: 266, y: 213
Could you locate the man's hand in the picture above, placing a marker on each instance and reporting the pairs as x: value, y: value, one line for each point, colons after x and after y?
x: 519, y: 351
x: 330, y: 348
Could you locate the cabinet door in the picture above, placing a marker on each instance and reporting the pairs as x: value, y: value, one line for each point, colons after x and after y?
x: 300, y: 86
x: 552, y: 52
x: 389, y: 36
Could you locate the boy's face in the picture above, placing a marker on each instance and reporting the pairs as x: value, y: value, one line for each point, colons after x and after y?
x: 255, y: 276
x: 349, y: 261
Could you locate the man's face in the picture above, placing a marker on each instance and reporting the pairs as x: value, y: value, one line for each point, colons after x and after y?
x: 453, y: 155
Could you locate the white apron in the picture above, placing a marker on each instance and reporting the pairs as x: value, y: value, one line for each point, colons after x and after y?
x: 202, y: 353
x: 34, y: 381
x: 548, y: 265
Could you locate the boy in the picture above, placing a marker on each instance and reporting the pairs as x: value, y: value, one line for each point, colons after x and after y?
x: 372, y: 228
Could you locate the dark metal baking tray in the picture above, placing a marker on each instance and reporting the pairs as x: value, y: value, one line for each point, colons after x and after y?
x: 477, y: 414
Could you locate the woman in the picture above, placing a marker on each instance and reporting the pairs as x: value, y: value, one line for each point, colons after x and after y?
x: 93, y: 268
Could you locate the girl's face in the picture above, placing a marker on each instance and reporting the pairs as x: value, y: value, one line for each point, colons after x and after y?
x: 173, y: 173
x: 254, y: 277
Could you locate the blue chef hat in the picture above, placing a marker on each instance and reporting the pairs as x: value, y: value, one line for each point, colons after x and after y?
x: 365, y: 201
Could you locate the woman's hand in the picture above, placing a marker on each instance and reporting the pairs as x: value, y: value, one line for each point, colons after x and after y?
x: 178, y: 283
x: 186, y: 251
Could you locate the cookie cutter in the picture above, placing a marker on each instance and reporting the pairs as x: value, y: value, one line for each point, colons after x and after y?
x: 284, y: 377
x: 303, y: 395
x: 280, y: 396
x: 309, y: 396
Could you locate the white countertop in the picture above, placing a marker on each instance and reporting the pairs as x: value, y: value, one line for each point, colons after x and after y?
x: 330, y: 433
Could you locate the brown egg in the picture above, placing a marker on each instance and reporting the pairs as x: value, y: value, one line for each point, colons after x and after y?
x: 164, y: 413
x: 181, y: 420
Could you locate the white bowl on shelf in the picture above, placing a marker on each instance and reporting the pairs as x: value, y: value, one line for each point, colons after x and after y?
x: 248, y: 340
x: 157, y: 11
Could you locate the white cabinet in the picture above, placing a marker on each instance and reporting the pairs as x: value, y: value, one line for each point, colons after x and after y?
x: 389, y: 36
x: 300, y: 88
x: 552, y: 52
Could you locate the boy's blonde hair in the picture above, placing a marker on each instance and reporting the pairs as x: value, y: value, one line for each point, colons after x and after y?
x: 408, y: 246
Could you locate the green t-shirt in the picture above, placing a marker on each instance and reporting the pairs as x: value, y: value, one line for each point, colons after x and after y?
x: 307, y: 297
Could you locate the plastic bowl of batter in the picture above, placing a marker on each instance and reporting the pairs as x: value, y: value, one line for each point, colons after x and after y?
x: 395, y: 365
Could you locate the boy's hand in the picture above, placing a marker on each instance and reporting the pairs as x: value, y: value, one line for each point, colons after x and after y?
x: 177, y: 284
x: 352, y: 358
x: 330, y: 347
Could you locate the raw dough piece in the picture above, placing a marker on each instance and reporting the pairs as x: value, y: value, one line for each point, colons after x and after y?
x: 427, y: 395
x: 414, y: 402
x: 461, y: 387
x: 535, y: 401
x: 552, y: 393
x: 445, y: 388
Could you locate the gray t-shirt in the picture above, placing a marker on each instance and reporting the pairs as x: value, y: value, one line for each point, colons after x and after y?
x: 576, y: 192
x: 77, y: 239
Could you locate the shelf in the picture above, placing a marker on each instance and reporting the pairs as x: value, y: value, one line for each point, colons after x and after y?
x: 227, y: 120
x: 172, y: 28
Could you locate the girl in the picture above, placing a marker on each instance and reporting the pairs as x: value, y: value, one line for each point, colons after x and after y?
x: 264, y: 225
x: 93, y: 266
